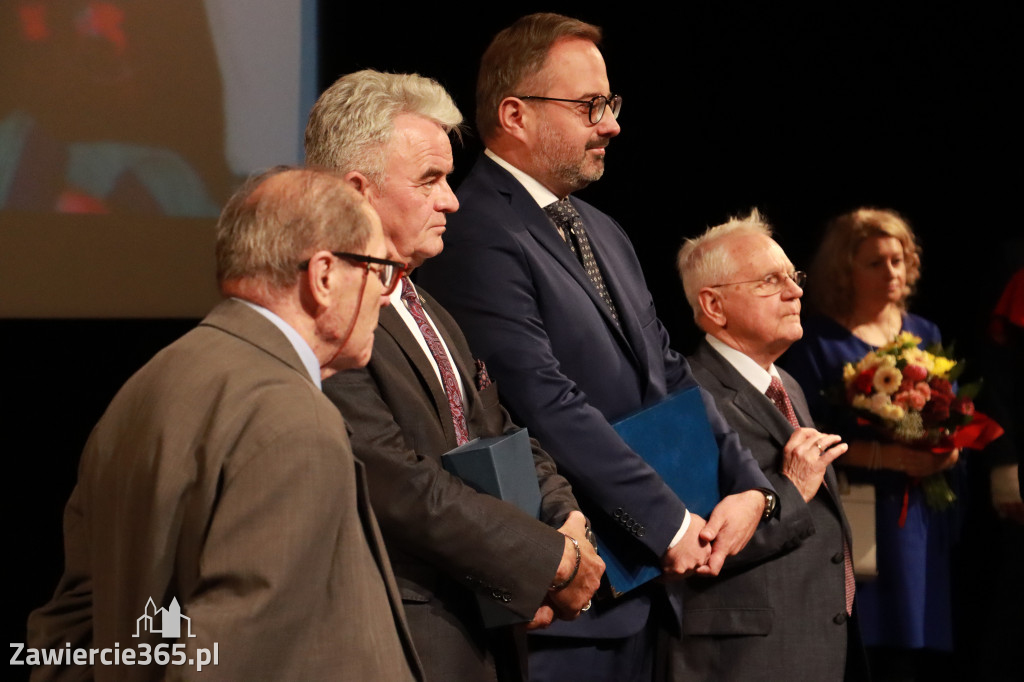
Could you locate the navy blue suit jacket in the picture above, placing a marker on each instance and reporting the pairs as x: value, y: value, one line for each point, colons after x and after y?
x: 564, y: 369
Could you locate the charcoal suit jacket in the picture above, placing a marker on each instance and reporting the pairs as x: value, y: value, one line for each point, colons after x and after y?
x: 448, y: 542
x: 777, y: 611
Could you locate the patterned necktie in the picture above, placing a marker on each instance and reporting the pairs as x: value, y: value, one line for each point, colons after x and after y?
x: 777, y: 394
x: 567, y: 219
x: 448, y: 379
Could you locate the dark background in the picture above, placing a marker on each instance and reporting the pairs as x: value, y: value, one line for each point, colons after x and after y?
x: 803, y: 113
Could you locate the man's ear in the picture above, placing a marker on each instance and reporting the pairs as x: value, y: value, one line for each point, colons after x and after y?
x: 711, y: 306
x: 513, y: 117
x: 360, y: 182
x: 317, y: 278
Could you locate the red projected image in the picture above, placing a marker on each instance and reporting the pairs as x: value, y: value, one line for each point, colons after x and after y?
x: 109, y: 107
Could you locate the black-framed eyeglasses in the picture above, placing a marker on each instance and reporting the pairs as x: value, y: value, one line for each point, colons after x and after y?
x: 772, y: 283
x: 390, y: 272
x: 597, y: 105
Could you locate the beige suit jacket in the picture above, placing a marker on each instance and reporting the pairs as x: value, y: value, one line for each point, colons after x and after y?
x: 222, y: 477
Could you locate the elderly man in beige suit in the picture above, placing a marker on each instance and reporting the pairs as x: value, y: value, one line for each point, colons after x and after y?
x: 221, y: 479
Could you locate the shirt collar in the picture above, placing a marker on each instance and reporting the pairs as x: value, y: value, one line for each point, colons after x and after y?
x: 306, y: 354
x: 744, y: 364
x: 541, y: 194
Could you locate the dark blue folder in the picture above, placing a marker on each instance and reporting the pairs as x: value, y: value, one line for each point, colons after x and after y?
x: 675, y: 438
x: 501, y: 466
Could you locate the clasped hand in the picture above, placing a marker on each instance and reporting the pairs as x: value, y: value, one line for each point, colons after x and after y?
x: 567, y: 603
x: 705, y: 545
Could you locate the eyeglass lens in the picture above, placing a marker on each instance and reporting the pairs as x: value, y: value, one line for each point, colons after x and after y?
x: 600, y: 103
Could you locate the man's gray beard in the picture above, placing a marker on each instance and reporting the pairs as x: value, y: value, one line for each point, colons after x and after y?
x: 566, y: 164
x: 574, y: 177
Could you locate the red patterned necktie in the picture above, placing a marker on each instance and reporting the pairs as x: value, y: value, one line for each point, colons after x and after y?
x: 448, y: 379
x: 777, y: 394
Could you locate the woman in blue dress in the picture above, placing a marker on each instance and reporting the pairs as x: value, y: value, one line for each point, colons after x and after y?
x: 861, y: 278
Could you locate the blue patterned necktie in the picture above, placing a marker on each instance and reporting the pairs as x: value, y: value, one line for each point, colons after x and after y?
x: 567, y: 219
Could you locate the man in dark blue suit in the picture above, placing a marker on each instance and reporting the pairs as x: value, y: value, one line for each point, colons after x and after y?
x: 550, y: 293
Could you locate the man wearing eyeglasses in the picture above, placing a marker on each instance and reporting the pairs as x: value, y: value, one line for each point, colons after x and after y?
x: 220, y: 481
x: 423, y: 394
x: 549, y: 290
x: 791, y: 588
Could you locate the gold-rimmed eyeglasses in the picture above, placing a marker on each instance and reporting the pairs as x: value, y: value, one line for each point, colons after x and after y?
x: 772, y: 283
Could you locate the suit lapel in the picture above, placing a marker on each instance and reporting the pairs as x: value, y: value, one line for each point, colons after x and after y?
x: 762, y: 410
x: 391, y: 324
x: 540, y: 227
x: 752, y: 402
x: 630, y: 331
x: 467, y: 372
x: 803, y: 416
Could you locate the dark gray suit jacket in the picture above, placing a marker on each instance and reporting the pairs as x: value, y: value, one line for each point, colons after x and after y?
x: 777, y: 611
x: 221, y: 476
x: 447, y: 541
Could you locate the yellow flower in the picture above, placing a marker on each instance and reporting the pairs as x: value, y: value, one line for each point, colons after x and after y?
x: 942, y: 366
x: 893, y: 413
x: 861, y: 402
x: 905, y: 338
x: 849, y: 372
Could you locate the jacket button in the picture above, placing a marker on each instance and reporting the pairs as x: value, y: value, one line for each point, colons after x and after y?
x: 840, y: 618
x: 496, y: 593
x: 617, y: 513
x: 506, y: 597
x: 640, y: 532
x: 838, y: 558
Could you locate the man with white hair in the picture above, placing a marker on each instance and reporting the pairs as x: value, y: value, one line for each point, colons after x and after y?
x: 780, y: 610
x: 423, y: 394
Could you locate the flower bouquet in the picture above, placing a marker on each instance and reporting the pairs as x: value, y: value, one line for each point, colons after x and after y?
x: 907, y: 394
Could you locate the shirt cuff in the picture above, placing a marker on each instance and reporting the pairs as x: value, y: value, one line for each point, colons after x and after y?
x: 682, y: 530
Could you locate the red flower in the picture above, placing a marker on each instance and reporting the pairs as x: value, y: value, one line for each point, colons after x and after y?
x: 915, y: 373
x: 964, y: 406
x: 936, y: 411
x: 942, y: 387
x: 864, y: 380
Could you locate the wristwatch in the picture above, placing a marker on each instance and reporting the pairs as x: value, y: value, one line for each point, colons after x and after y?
x: 770, y: 503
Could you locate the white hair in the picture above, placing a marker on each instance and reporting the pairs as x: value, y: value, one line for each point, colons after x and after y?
x: 705, y: 260
x: 352, y: 122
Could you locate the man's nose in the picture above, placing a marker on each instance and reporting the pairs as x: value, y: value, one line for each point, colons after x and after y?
x: 608, y: 126
x: 447, y: 202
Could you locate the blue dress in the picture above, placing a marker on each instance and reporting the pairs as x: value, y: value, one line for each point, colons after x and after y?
x: 908, y: 605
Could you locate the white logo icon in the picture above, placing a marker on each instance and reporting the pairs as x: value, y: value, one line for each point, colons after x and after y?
x: 166, y: 622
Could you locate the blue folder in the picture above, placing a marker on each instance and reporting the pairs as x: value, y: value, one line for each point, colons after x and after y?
x: 675, y: 438
x: 501, y: 466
